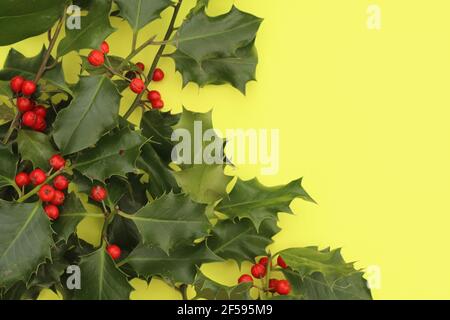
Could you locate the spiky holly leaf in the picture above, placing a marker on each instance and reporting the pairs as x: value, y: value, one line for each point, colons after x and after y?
x: 6, y: 113
x: 17, y: 64
x: 114, y: 154
x: 22, y: 19
x: 323, y: 274
x: 212, y: 290
x: 92, y: 113
x: 171, y: 220
x: 101, y: 279
x: 95, y: 27
x: 139, y: 13
x: 36, y: 147
x: 135, y: 195
x: 158, y: 126
x: 25, y: 240
x: 8, y: 163
x: 250, y: 199
x: 238, y: 240
x: 123, y: 232
x: 180, y: 266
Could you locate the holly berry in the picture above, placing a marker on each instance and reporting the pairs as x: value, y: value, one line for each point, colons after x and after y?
x: 264, y: 261
x: 24, y: 104
x: 273, y: 285
x: 283, y: 287
x: 37, y: 177
x: 46, y: 193
x: 98, y: 193
x: 140, y: 66
x: 58, y: 198
x: 61, y: 183
x: 157, y: 104
x: 96, y: 58
x: 29, y: 119
x: 52, y: 211
x: 104, y: 47
x: 16, y: 84
x: 153, y: 95
x: 281, y: 262
x: 28, y: 87
x: 258, y: 271
x: 114, y: 251
x: 245, y: 278
x: 40, y: 124
x: 137, y: 85
x: 22, y: 179
x: 57, y: 162
x: 40, y: 111
x: 158, y: 75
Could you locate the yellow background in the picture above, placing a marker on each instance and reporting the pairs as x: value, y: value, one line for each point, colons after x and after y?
x: 364, y: 118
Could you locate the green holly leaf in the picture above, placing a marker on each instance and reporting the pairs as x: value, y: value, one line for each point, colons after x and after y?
x: 171, y: 220
x: 180, y: 266
x: 123, y: 233
x: 162, y: 179
x: 5, y: 89
x: 101, y: 279
x: 22, y: 19
x: 252, y: 200
x: 139, y: 13
x: 238, y: 240
x: 114, y: 154
x: 8, y: 163
x: 25, y: 240
x: 212, y: 290
x: 36, y: 147
x: 95, y: 27
x: 92, y: 113
x: 17, y: 64
x: 158, y: 126
x: 135, y: 195
x: 323, y: 274
x: 6, y: 113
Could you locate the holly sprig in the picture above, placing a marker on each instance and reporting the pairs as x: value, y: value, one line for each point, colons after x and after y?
x: 67, y: 153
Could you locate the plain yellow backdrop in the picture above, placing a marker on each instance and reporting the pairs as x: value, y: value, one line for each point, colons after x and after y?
x: 363, y: 117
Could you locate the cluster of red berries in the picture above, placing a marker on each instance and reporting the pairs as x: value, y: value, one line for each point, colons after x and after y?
x: 97, y: 57
x: 33, y: 116
x: 137, y: 85
x: 259, y: 271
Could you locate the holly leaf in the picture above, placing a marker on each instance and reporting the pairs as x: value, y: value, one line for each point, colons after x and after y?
x: 8, y: 163
x: 139, y: 13
x: 135, y: 195
x: 123, y: 233
x: 114, y: 154
x: 92, y: 113
x: 323, y: 274
x: 95, y: 28
x: 180, y: 266
x: 238, y: 240
x: 25, y: 240
x: 101, y: 279
x: 36, y: 147
x: 17, y: 64
x: 5, y: 89
x: 171, y: 220
x: 6, y: 113
x: 250, y: 199
x: 212, y: 290
x: 22, y: 19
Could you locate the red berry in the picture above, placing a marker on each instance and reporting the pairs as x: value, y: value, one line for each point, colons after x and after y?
x: 140, y: 66
x: 273, y: 285
x: 52, y: 211
x: 264, y: 261
x: 258, y: 271
x: 57, y: 162
x: 22, y: 179
x: 37, y: 177
x: 28, y: 87
x: 61, y: 183
x: 283, y: 287
x: 157, y: 104
x: 114, y: 251
x: 40, y: 111
x: 137, y: 85
x: 24, y: 104
x: 153, y: 95
x: 29, y: 119
x: 58, y: 198
x: 281, y: 262
x: 245, y: 278
x: 98, y: 193
x: 40, y: 124
x: 96, y: 58
x: 46, y: 193
x: 16, y: 84
x: 158, y: 75
x: 104, y: 47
